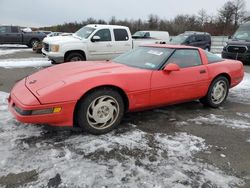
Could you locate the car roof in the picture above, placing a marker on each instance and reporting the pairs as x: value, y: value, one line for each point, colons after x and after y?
x: 173, y: 46
x: 100, y: 26
x: 195, y: 33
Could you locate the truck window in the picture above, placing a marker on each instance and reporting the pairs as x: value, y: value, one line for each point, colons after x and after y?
x: 3, y: 29
x: 121, y: 34
x: 14, y: 29
x: 104, y: 34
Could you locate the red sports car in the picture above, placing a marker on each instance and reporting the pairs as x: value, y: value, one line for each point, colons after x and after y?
x: 95, y: 95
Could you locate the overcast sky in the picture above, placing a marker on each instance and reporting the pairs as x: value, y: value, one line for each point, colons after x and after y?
x: 51, y: 12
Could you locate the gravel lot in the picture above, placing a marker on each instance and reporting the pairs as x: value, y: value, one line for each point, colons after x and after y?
x: 184, y: 145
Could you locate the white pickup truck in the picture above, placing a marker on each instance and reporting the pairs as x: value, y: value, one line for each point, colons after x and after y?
x: 92, y: 42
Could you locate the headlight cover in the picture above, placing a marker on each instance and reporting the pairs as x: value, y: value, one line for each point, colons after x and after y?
x: 54, y: 48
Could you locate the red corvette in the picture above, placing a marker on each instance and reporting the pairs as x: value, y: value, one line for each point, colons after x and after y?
x: 95, y: 95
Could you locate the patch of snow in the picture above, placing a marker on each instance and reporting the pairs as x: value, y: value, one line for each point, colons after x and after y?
x: 29, y: 62
x: 222, y: 155
x: 221, y: 120
x: 12, y: 46
x: 132, y: 158
x: 245, y: 115
x: 240, y: 93
x: 10, y: 49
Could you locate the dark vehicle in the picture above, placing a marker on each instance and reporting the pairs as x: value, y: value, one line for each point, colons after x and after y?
x: 15, y: 35
x: 238, y: 47
x: 193, y: 38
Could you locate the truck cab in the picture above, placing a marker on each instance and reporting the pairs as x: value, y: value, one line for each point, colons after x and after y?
x: 92, y: 42
x: 10, y: 35
x: 15, y: 35
x: 238, y: 46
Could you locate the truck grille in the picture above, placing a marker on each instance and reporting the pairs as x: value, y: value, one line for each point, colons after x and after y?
x: 237, y: 49
x: 46, y: 47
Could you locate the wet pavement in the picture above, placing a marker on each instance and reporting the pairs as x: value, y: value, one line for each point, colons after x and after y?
x: 185, y: 145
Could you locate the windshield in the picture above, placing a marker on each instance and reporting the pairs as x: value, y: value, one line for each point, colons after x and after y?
x: 145, y: 57
x: 140, y: 34
x: 179, y: 39
x: 242, y: 35
x: 84, y: 32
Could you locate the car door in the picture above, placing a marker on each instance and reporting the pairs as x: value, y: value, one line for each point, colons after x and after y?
x: 198, y: 41
x: 4, y: 30
x: 14, y: 36
x: 102, y: 49
x: 190, y: 82
x: 122, y: 42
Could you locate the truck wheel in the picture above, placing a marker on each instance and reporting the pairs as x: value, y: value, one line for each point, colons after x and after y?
x: 33, y: 42
x: 100, y: 111
x: 217, y: 92
x: 75, y: 57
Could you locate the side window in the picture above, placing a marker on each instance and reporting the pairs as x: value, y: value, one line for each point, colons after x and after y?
x: 104, y: 35
x: 186, y: 58
x: 212, y: 58
x: 200, y: 38
x: 3, y: 29
x: 121, y: 34
x: 147, y: 35
x: 192, y: 39
x: 14, y: 29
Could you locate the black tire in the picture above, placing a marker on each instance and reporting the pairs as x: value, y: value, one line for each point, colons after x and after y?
x: 208, y: 48
x: 102, y: 107
x: 75, y: 56
x: 33, y: 42
x: 209, y: 99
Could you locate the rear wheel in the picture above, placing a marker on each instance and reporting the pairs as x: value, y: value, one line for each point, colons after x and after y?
x: 75, y: 56
x: 217, y: 92
x: 100, y: 111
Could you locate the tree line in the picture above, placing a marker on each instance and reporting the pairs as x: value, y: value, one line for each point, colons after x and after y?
x: 225, y: 22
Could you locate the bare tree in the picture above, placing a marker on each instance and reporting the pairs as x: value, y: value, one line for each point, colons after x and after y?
x: 239, y: 12
x: 202, y: 17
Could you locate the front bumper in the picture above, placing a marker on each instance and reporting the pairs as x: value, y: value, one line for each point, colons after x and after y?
x: 21, y: 105
x: 54, y: 56
x: 243, y: 57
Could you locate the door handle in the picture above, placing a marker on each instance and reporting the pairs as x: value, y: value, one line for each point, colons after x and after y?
x: 203, y: 71
x: 109, y: 45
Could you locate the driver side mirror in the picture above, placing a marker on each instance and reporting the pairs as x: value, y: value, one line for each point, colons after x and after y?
x: 171, y: 67
x: 95, y: 38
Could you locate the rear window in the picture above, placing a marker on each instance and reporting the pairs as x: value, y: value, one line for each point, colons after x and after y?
x: 121, y: 34
x: 213, y: 58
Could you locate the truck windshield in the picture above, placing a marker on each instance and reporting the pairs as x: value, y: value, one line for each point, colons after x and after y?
x: 145, y: 57
x: 242, y: 35
x: 140, y: 34
x: 84, y: 32
x: 179, y: 39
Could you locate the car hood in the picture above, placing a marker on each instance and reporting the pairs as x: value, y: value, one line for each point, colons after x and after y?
x: 239, y: 42
x: 58, y: 76
x: 61, y: 40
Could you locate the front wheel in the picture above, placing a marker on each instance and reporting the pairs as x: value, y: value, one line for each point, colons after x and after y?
x: 75, y: 57
x: 217, y: 92
x: 100, y: 111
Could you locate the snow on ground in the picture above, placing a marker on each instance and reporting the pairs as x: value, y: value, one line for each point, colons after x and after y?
x: 28, y: 62
x: 129, y: 157
x: 221, y: 120
x: 240, y: 93
x: 10, y: 49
